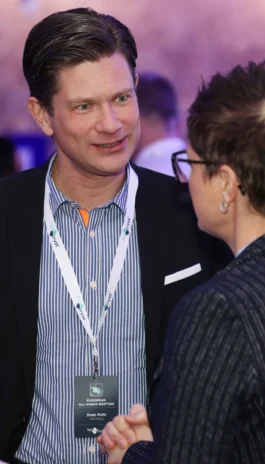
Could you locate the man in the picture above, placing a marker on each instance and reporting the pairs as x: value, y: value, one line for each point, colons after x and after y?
x: 94, y: 252
x: 159, y: 115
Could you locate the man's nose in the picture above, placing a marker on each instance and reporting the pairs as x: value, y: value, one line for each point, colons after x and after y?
x: 108, y: 121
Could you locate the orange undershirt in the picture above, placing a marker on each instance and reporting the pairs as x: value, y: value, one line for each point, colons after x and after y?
x: 85, y: 216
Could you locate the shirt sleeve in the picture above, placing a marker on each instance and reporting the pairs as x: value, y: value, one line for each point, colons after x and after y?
x: 207, y: 371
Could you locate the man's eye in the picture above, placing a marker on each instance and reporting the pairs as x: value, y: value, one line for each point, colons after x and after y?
x: 83, y: 107
x: 123, y: 98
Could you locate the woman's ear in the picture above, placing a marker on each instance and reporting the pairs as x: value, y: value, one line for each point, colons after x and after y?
x: 41, y: 115
x: 229, y: 183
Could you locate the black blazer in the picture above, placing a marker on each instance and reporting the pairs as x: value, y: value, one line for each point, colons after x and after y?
x: 209, y: 406
x: 169, y: 241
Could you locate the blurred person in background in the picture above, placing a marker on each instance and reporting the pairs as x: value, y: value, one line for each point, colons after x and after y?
x: 159, y: 115
x: 209, y: 405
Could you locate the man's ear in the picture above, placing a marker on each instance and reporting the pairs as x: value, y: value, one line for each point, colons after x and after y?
x: 41, y: 115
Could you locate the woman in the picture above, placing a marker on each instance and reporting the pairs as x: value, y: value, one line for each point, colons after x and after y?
x: 209, y: 405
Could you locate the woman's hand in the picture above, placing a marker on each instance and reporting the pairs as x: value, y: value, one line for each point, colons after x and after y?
x: 115, y: 455
x: 124, y: 431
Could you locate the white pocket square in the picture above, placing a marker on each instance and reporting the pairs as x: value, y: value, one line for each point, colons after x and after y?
x: 189, y: 271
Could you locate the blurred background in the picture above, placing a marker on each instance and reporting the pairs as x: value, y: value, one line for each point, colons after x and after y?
x: 184, y: 40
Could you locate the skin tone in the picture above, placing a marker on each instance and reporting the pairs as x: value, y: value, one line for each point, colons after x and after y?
x: 96, y: 127
x: 241, y: 224
x: 238, y: 227
x: 208, y: 193
x: 124, y: 431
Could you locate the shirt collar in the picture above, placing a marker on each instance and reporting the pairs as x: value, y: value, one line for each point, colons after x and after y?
x: 57, y: 198
x: 243, y: 248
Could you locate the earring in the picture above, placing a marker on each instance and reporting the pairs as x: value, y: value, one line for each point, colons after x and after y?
x: 223, y: 208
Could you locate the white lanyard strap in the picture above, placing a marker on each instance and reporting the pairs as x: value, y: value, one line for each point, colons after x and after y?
x: 66, y: 266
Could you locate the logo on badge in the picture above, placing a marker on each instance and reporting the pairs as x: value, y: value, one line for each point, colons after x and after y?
x: 96, y: 389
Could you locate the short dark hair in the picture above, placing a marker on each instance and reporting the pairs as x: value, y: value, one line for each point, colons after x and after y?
x: 157, y: 95
x: 69, y: 38
x: 226, y: 125
x: 7, y: 152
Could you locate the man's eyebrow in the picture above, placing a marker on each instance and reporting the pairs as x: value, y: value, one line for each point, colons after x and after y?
x: 124, y: 91
x: 79, y: 100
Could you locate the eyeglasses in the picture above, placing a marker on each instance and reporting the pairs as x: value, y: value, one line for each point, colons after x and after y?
x: 182, y: 167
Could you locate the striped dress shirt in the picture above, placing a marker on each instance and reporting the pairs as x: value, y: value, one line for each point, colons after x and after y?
x: 63, y: 347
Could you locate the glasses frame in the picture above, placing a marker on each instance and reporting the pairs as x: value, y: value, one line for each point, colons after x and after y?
x: 177, y: 171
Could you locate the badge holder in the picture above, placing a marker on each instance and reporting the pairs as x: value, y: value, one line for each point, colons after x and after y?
x: 96, y: 402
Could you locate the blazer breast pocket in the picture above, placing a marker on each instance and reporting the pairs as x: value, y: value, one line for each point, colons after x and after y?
x: 183, y: 274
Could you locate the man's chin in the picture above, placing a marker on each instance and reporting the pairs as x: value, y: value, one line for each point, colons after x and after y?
x: 115, y: 165
x: 114, y: 169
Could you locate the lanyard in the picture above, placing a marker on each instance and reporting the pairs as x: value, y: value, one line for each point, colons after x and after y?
x: 68, y: 271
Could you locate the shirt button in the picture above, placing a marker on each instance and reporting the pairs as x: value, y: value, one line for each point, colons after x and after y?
x: 92, y: 234
x: 93, y: 284
x: 92, y: 449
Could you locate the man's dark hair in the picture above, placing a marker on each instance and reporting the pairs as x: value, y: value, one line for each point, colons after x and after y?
x: 156, y: 95
x: 226, y: 125
x: 69, y: 38
x: 7, y: 152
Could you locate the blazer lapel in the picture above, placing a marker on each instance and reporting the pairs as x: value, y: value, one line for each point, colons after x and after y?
x: 151, y: 234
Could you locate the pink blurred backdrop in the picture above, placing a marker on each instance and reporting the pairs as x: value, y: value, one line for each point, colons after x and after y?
x: 182, y: 39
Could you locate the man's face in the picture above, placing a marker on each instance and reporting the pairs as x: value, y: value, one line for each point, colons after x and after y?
x: 95, y: 120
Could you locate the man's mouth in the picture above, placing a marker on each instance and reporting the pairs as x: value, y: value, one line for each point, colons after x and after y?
x: 110, y: 145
